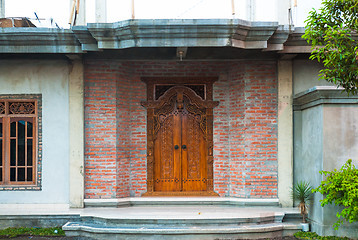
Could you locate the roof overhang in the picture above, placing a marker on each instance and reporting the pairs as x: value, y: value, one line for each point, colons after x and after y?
x: 157, y: 33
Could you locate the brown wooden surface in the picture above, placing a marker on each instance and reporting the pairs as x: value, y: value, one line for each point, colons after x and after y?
x: 15, y: 22
x: 179, y: 155
x: 194, y: 163
x: 179, y: 118
x: 14, y: 114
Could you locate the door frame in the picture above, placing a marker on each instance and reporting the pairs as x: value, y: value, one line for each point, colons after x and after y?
x: 206, y: 101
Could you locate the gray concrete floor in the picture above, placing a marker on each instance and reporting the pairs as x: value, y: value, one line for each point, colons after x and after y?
x: 158, y: 212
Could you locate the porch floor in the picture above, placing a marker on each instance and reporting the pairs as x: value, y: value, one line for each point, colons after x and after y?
x: 156, y: 221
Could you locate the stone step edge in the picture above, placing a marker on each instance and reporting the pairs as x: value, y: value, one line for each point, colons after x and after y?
x: 72, y: 227
x: 130, y: 201
x: 274, y: 218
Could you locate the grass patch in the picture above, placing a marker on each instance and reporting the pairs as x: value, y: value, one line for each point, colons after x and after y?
x: 313, y: 235
x: 14, y: 232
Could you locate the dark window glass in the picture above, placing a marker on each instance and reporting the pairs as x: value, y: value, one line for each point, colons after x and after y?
x: 13, y: 174
x: 21, y: 174
x: 160, y: 90
x: 0, y: 152
x: 0, y: 129
x: 0, y: 174
x: 29, y: 174
x: 21, y: 129
x: 29, y: 129
x: 29, y: 152
x: 21, y: 144
x: 13, y: 129
x: 198, y: 89
x: 13, y: 152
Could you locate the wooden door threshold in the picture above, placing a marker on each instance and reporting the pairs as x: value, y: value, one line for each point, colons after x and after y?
x: 180, y: 194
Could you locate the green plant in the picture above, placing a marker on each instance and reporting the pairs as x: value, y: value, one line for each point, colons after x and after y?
x: 13, y: 232
x: 331, y: 32
x: 306, y: 235
x: 313, y: 235
x: 302, y: 192
x: 341, y: 188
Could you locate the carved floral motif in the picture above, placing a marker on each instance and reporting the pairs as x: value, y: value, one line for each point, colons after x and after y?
x: 2, y: 108
x: 167, y: 159
x: 21, y: 108
x: 193, y: 148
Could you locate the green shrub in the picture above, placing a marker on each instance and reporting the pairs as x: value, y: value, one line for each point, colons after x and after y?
x: 313, y: 235
x: 13, y: 232
x: 306, y: 235
x: 341, y: 188
x: 329, y: 30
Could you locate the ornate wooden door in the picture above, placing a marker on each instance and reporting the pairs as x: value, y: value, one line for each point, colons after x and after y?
x: 180, y: 160
x: 179, y: 148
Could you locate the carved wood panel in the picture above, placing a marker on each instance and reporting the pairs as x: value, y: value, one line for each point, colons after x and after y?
x: 179, y: 141
x: 167, y: 160
x: 194, y: 162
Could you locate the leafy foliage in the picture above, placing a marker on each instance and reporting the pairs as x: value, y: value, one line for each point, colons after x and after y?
x: 332, y: 32
x: 341, y: 188
x: 13, y: 232
x: 302, y: 192
x: 313, y: 235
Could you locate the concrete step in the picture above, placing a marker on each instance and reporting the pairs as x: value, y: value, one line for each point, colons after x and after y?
x: 154, y: 223
x: 160, y: 231
x: 184, y: 222
x: 186, y: 201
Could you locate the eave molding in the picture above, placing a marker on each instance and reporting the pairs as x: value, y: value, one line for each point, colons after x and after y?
x: 322, y: 95
x: 146, y: 33
x: 156, y: 33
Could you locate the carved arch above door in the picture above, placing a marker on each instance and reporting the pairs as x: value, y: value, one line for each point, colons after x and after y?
x: 179, y: 113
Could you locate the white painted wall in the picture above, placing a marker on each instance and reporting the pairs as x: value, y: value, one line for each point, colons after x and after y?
x: 300, y: 13
x: 49, y: 78
x: 2, y: 8
x: 305, y: 75
x: 341, y: 124
x: 254, y: 10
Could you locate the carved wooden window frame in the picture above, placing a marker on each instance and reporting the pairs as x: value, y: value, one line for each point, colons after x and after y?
x: 152, y: 103
x: 16, y: 111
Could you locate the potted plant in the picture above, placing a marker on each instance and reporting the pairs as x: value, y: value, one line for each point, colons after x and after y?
x: 302, y: 193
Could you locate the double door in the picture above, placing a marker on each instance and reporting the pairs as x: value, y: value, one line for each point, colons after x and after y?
x: 180, y: 147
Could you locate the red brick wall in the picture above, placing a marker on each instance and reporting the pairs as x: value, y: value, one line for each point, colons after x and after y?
x: 100, y: 130
x: 261, y: 130
x: 245, y: 135
x: 123, y: 132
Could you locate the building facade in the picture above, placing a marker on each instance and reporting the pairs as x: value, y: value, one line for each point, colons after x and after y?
x: 223, y: 108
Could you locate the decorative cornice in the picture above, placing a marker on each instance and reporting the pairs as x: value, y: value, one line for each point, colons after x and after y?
x: 234, y: 33
x: 182, y: 33
x: 295, y: 43
x: 322, y: 95
x: 88, y: 42
x: 156, y: 33
x: 38, y: 40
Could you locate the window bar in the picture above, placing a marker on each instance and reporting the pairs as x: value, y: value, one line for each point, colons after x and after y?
x: 1, y: 151
x: 16, y: 151
x: 33, y: 146
x: 20, y: 166
x: 25, y: 153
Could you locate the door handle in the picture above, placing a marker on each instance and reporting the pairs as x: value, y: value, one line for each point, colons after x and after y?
x: 183, y: 147
x: 176, y: 147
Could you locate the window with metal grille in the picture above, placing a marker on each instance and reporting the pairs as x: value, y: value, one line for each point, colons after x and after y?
x: 18, y: 142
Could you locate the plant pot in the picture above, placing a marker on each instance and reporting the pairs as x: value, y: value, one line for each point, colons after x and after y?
x: 305, y: 227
